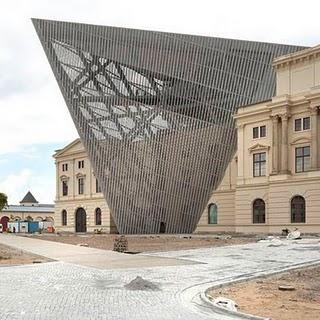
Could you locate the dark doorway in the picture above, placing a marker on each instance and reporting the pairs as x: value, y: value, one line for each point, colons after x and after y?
x: 81, y: 220
x: 4, y: 221
x: 162, y: 227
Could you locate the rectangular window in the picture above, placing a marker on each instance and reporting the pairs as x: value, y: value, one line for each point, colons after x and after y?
x: 263, y: 131
x: 98, y: 189
x: 259, y: 132
x: 297, y: 125
x: 302, y: 124
x: 259, y: 164
x: 80, y: 186
x: 64, y: 167
x: 64, y: 188
x: 81, y: 164
x: 255, y: 133
x: 302, y: 159
x: 306, y: 123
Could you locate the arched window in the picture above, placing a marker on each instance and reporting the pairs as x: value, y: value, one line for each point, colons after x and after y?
x: 64, y: 217
x: 212, y: 213
x: 98, y: 216
x: 259, y: 211
x: 298, y: 209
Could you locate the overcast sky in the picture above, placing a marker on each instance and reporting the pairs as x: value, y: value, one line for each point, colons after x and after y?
x: 34, y: 118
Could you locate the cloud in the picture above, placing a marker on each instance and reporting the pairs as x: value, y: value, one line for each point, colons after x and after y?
x: 17, y: 185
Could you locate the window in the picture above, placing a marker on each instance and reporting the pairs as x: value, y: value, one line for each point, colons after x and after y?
x: 64, y: 188
x: 64, y: 217
x: 263, y: 131
x: 302, y: 124
x: 255, y: 132
x: 212, y: 214
x: 81, y: 164
x: 80, y: 185
x: 98, y: 189
x: 259, y: 211
x: 64, y: 167
x: 98, y: 216
x: 302, y: 159
x: 259, y: 164
x: 298, y: 210
x: 259, y: 132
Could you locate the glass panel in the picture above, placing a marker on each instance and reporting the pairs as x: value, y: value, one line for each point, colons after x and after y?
x: 297, y: 125
x: 306, y: 151
x: 213, y: 214
x: 306, y: 163
x: 299, y: 152
x: 263, y: 156
x: 255, y: 132
x: 256, y: 171
x: 306, y: 123
x: 299, y: 167
x: 263, y: 131
x: 263, y: 169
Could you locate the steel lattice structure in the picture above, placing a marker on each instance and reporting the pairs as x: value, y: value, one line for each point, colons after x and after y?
x: 154, y: 112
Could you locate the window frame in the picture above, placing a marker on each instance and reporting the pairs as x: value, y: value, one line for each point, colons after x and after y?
x: 256, y: 218
x: 303, y: 157
x: 258, y: 130
x: 65, y: 189
x: 294, y: 214
x: 64, y: 217
x: 215, y: 220
x: 302, y: 122
x: 81, y: 185
x: 260, y: 163
x: 98, y: 213
x: 65, y: 167
x: 98, y: 188
x: 80, y: 164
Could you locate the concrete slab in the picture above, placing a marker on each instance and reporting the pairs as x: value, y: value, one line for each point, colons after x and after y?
x: 89, y: 257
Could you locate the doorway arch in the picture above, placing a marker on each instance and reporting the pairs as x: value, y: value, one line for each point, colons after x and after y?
x: 81, y: 220
x: 4, y: 221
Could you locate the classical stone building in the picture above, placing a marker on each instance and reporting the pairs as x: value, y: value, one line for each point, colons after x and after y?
x: 273, y: 182
x: 29, y: 209
x: 79, y: 205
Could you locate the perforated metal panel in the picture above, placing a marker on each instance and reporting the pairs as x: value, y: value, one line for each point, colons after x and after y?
x: 154, y: 112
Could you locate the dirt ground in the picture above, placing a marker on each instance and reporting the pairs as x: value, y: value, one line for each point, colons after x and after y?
x: 147, y: 243
x: 263, y: 298
x: 12, y: 256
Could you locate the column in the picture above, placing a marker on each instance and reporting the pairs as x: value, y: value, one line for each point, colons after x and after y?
x: 275, y: 144
x: 314, y: 135
x: 284, y: 143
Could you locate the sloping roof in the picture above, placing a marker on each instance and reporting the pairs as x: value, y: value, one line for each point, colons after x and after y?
x: 35, y: 209
x: 29, y: 198
x: 66, y: 148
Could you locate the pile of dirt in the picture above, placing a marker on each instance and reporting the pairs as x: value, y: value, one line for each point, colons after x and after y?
x: 141, y: 284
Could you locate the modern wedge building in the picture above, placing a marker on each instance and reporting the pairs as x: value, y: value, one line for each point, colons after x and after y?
x: 154, y: 112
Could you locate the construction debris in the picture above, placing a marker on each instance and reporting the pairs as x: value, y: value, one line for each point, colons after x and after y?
x: 225, y: 303
x: 120, y: 244
x: 141, y: 284
x: 294, y: 235
x: 286, y: 288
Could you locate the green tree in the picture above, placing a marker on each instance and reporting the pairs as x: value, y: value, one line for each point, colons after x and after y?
x: 3, y: 201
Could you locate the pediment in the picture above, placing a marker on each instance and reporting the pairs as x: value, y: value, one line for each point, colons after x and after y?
x: 258, y: 147
x: 64, y: 178
x: 301, y: 140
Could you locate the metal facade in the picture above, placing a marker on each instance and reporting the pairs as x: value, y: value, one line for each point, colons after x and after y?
x: 154, y: 112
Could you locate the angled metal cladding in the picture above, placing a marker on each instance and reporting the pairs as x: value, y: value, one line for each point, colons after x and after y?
x: 154, y: 112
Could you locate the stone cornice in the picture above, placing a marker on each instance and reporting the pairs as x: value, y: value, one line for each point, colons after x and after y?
x: 258, y: 147
x: 296, y: 57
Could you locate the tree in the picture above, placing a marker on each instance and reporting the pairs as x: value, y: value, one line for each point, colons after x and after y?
x: 3, y: 201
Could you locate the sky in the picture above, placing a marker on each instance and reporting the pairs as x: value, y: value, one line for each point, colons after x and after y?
x: 34, y: 118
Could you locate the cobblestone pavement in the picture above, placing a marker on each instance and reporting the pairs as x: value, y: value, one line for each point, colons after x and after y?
x: 60, y: 290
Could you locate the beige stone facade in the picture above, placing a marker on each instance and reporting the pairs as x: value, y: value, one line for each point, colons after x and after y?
x: 273, y: 181
x: 76, y: 188
x: 280, y: 138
